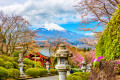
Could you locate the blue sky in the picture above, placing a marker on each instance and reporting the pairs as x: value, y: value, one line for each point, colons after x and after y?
x: 73, y: 26
x: 39, y: 12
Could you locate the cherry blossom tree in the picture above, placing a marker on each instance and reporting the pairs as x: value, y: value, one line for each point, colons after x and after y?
x: 95, y: 11
x: 13, y: 30
x: 99, y: 10
x: 89, y: 55
x: 89, y: 41
x: 78, y: 56
x: 76, y: 60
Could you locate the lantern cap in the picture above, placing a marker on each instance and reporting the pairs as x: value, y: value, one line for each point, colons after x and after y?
x: 62, y: 51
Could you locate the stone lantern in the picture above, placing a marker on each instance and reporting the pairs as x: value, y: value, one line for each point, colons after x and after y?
x: 21, y: 65
x: 47, y: 65
x: 20, y: 60
x: 62, y: 66
x: 89, y: 67
x: 84, y: 65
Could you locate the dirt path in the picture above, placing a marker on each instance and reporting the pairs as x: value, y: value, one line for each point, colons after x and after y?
x: 47, y: 78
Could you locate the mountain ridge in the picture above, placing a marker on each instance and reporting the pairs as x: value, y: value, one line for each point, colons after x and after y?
x: 72, y: 36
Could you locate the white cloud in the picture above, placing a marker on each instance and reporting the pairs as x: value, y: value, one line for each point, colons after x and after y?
x: 41, y: 11
x: 90, y: 34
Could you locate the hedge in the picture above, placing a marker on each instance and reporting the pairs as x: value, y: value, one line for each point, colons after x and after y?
x: 38, y: 65
x: 109, y: 42
x: 78, y: 76
x: 53, y: 71
x: 4, y: 57
x: 26, y: 67
x: 42, y: 72
x: 13, y: 73
x: 8, y: 65
x: 76, y: 70
x: 10, y: 59
x: 16, y: 59
x: 2, y: 62
x: 34, y: 72
x: 15, y: 65
x: 29, y: 62
x: 15, y: 53
x: 3, y: 73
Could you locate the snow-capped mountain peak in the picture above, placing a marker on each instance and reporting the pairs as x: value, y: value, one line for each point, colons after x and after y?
x: 52, y: 26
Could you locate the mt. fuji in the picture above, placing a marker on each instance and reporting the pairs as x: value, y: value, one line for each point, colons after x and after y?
x: 52, y: 29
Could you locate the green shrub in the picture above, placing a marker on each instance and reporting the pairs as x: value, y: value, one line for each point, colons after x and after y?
x: 8, y: 65
x: 4, y: 57
x: 15, y: 53
x: 76, y: 70
x: 33, y: 72
x: 42, y: 72
x: 10, y: 59
x: 38, y: 65
x: 26, y: 67
x: 3, y: 73
x: 15, y: 65
x: 78, y: 76
x: 16, y: 59
x: 29, y: 62
x: 53, y: 71
x: 13, y: 73
x: 2, y: 62
x: 109, y: 42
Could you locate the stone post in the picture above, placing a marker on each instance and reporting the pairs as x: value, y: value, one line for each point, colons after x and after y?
x: 62, y: 66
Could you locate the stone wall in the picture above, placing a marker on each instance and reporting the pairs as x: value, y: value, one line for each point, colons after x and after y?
x: 105, y: 71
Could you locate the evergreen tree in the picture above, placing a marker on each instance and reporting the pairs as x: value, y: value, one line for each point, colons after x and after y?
x: 109, y: 42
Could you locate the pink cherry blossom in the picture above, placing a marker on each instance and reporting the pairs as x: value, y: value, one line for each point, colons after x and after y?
x: 77, y: 57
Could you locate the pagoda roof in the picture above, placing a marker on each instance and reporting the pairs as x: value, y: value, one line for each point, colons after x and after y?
x: 45, y: 52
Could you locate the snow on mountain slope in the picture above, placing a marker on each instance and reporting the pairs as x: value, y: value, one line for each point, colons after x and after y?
x: 51, y: 26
